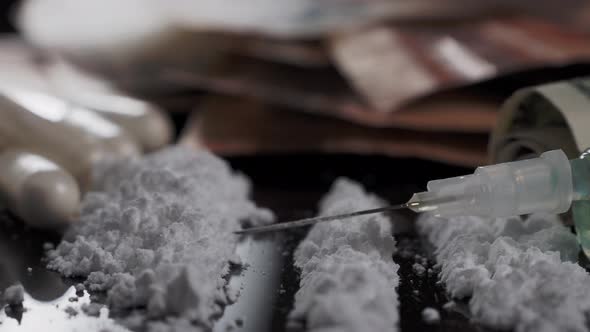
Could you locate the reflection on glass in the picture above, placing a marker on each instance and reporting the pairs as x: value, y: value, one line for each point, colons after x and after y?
x: 52, y: 316
x: 257, y: 285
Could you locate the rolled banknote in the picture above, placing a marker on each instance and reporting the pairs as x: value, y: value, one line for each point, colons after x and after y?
x: 542, y: 118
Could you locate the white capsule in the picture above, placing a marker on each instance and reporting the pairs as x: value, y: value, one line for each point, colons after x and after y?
x: 148, y: 125
x: 72, y: 136
x: 144, y: 121
x: 38, y: 190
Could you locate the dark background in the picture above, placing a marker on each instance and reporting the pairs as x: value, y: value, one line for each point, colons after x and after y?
x: 6, y: 9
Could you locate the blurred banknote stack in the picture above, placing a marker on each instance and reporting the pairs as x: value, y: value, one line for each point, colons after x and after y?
x: 406, y: 78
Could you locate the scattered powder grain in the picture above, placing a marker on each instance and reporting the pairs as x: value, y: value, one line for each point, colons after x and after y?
x: 80, y: 288
x: 70, y: 311
x: 92, y: 309
x: 158, y: 235
x: 419, y: 270
x: 14, y: 295
x: 430, y: 315
x: 450, y: 305
x: 519, y: 274
x: 348, y: 277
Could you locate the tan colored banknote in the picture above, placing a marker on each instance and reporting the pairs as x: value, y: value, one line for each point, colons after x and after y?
x: 321, y: 91
x: 390, y: 65
x: 292, y: 52
x: 238, y: 126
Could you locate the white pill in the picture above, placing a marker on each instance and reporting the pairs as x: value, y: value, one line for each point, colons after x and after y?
x: 144, y: 121
x: 113, y: 138
x: 38, y: 190
x: 73, y: 137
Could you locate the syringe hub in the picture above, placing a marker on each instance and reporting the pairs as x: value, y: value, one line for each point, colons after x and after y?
x: 541, y: 184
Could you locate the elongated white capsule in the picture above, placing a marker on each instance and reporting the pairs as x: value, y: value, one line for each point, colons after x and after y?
x: 38, y: 190
x: 145, y: 122
x: 73, y: 137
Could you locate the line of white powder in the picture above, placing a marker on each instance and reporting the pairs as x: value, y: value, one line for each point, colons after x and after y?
x: 159, y: 236
x: 348, y: 277
x: 518, y: 274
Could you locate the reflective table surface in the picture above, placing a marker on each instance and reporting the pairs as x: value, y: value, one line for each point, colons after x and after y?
x: 291, y: 187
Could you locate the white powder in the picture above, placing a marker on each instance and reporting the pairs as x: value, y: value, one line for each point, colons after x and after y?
x: 159, y: 234
x: 518, y: 273
x: 80, y: 288
x: 449, y: 305
x: 71, y: 311
x: 419, y: 270
x: 348, y: 277
x: 14, y: 295
x: 430, y: 315
x: 92, y: 309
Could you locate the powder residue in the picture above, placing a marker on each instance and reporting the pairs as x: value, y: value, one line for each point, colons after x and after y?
x: 14, y: 295
x: 520, y: 274
x: 157, y: 234
x: 92, y: 309
x: 80, y: 288
x: 348, y: 277
x: 70, y: 311
x: 430, y: 315
x: 419, y: 269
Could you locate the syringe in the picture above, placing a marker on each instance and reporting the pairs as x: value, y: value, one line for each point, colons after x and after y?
x: 548, y: 184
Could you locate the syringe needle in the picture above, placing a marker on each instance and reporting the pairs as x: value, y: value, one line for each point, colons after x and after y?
x: 309, y: 221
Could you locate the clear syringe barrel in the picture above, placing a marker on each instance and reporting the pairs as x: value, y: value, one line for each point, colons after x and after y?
x: 541, y: 184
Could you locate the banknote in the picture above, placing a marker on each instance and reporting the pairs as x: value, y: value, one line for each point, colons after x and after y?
x: 145, y: 35
x: 292, y: 52
x: 406, y: 69
x: 49, y: 22
x: 241, y: 126
x: 390, y: 65
x: 541, y: 118
x: 323, y: 92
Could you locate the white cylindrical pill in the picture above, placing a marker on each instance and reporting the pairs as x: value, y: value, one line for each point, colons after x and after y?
x: 145, y: 122
x: 38, y: 190
x: 72, y: 136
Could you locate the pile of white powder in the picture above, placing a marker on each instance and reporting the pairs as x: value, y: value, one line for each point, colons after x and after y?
x: 348, y: 277
x: 158, y: 235
x: 520, y: 274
